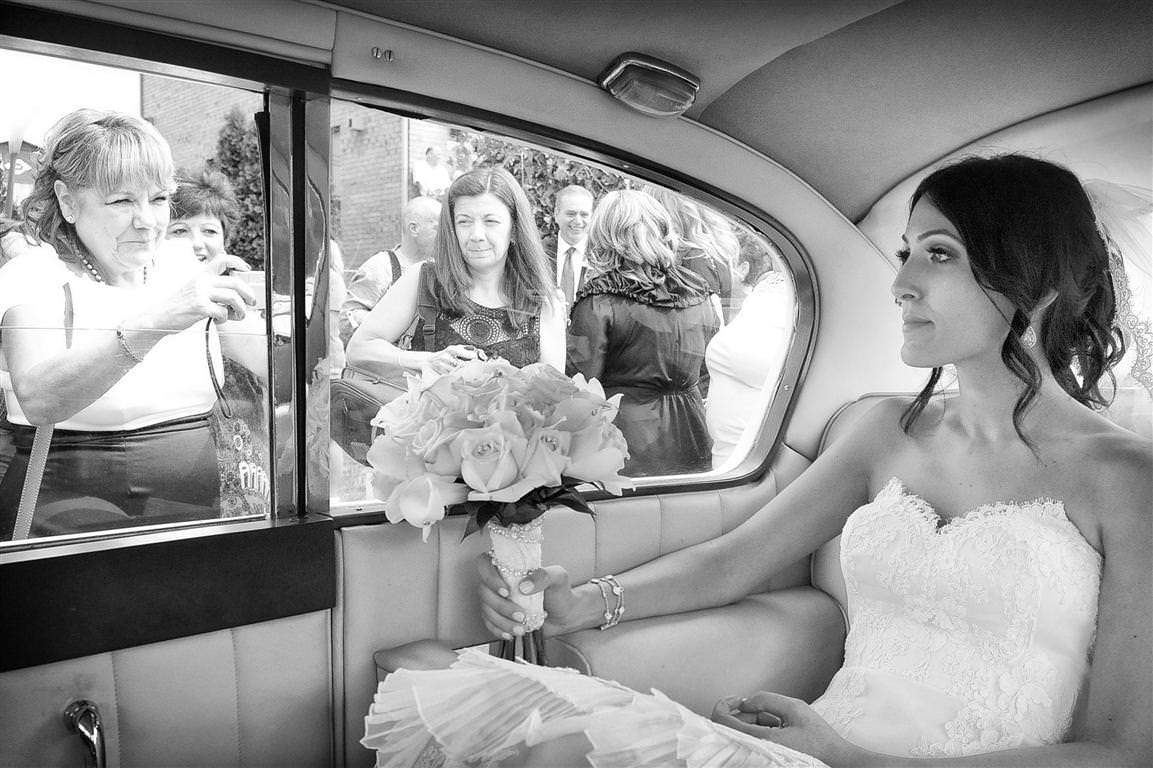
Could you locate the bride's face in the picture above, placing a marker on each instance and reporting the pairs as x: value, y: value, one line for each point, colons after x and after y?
x: 947, y: 318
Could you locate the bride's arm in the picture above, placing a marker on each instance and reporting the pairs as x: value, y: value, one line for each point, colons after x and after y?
x: 806, y: 514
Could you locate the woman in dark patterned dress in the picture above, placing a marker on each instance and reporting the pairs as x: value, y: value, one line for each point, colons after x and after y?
x: 486, y: 293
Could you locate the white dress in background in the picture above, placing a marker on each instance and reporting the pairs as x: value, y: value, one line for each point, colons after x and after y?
x: 965, y: 638
x: 743, y: 358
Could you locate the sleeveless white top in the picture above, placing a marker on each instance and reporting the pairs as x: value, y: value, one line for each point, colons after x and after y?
x: 968, y: 637
x: 171, y: 383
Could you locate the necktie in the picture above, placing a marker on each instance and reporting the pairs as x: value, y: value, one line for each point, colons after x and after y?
x: 566, y: 276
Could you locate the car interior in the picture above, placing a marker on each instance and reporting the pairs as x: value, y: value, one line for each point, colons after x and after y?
x: 260, y: 640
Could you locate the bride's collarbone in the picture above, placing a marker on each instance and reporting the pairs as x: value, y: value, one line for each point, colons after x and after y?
x: 955, y: 480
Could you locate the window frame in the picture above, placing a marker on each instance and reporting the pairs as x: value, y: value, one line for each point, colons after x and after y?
x: 74, y: 596
x: 771, y: 429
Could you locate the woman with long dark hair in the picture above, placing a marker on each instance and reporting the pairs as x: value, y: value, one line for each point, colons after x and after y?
x: 487, y: 291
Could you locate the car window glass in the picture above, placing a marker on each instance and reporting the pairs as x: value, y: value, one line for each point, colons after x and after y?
x: 734, y: 310
x: 160, y: 415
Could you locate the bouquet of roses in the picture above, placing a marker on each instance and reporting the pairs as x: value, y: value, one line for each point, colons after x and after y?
x: 500, y: 444
x: 497, y: 442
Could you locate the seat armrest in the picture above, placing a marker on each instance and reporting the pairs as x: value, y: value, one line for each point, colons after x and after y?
x: 419, y: 654
x: 790, y: 641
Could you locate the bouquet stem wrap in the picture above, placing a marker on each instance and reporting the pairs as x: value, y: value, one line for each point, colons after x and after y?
x: 516, y: 551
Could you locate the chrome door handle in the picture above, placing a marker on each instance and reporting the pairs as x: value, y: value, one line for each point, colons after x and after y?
x: 83, y: 717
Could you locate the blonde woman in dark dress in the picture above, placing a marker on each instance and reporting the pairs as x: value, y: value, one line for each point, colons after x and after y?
x: 640, y: 325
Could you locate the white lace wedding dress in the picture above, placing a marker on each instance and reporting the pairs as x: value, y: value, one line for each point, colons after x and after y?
x: 968, y: 637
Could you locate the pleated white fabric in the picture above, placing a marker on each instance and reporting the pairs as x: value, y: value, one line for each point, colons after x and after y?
x: 483, y: 710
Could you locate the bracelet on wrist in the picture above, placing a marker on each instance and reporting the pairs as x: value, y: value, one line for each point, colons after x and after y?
x: 612, y: 614
x: 122, y: 337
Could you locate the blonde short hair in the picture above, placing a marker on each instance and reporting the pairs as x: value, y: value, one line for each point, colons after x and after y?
x: 93, y: 149
x: 631, y: 232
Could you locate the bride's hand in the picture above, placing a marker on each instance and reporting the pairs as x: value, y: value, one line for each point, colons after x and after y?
x: 503, y: 617
x: 788, y: 721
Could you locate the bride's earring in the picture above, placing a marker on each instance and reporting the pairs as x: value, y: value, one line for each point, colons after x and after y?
x: 1029, y: 338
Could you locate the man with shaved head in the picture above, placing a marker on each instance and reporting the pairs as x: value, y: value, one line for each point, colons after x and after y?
x: 380, y: 271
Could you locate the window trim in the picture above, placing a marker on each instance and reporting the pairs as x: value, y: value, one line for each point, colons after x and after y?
x: 36, y: 30
x: 104, y: 594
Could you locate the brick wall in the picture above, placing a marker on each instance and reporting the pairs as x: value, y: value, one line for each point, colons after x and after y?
x: 190, y: 114
x: 372, y: 153
x: 368, y: 179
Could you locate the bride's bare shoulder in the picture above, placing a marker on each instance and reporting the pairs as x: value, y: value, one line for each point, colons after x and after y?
x: 1118, y: 464
x: 880, y: 431
x: 1128, y: 456
x: 877, y: 422
x: 1111, y: 447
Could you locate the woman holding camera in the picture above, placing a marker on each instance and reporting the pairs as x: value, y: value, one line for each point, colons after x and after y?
x: 107, y: 342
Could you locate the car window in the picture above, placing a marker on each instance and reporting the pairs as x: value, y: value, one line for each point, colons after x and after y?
x: 159, y: 416
x: 696, y: 357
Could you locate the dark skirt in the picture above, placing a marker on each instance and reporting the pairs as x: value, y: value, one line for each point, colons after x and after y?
x: 95, y: 481
x: 665, y: 431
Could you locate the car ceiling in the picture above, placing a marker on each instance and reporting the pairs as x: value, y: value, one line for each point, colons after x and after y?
x: 851, y: 95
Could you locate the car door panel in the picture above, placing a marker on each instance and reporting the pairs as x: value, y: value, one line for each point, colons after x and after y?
x: 254, y: 694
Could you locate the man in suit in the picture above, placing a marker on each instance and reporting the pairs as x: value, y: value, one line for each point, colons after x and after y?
x: 567, y: 251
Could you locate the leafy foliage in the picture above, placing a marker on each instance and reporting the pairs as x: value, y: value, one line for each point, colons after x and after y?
x: 541, y: 173
x: 238, y: 158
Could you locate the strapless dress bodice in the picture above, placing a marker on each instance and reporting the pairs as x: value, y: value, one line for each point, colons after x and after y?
x: 964, y: 637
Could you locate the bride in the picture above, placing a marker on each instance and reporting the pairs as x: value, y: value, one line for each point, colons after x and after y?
x: 996, y: 543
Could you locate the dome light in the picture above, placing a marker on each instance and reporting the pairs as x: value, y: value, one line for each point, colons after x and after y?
x: 649, y: 85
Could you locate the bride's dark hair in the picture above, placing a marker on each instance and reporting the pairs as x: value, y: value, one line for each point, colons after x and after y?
x: 1029, y: 228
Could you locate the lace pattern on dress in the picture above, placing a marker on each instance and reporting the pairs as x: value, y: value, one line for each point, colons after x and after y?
x: 492, y: 330
x: 967, y: 613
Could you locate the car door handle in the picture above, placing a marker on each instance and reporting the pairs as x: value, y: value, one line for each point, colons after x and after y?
x: 83, y: 717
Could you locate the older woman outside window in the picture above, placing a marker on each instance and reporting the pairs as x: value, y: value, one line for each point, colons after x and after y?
x: 128, y: 388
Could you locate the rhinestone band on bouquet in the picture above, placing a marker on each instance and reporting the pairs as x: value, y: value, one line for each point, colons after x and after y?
x: 502, y: 445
